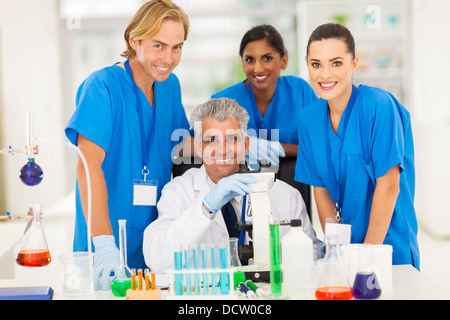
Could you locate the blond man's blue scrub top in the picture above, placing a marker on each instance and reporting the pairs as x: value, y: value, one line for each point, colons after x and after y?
x: 292, y: 94
x: 106, y: 114
x: 374, y: 135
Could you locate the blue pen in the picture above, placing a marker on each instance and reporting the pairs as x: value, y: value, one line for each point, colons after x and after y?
x: 187, y: 266
x: 205, y: 266
x: 213, y: 266
x: 178, y: 255
x: 196, y: 257
x: 224, y: 276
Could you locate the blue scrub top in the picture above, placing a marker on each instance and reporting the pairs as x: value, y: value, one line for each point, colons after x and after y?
x: 294, y: 94
x: 373, y: 136
x: 106, y: 114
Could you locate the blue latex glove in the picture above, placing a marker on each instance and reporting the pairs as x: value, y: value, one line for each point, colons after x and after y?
x: 226, y: 189
x: 106, y: 260
x: 264, y: 149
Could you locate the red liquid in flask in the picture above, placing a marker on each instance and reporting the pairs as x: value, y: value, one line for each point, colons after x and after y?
x: 334, y: 293
x: 33, y: 258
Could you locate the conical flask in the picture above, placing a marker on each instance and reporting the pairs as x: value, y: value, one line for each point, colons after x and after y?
x: 235, y: 262
x: 33, y: 250
x: 366, y: 285
x: 124, y: 271
x: 122, y: 281
x: 333, y: 283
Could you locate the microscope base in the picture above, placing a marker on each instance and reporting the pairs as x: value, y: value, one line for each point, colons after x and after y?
x: 257, y: 273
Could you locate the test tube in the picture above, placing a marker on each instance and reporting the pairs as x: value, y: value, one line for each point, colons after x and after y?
x: 196, y: 258
x: 133, y: 279
x: 187, y: 266
x: 140, y: 276
x: 224, y: 281
x: 275, y: 257
x: 205, y: 266
x: 178, y: 256
x: 147, y: 279
x: 213, y: 266
x: 153, y: 281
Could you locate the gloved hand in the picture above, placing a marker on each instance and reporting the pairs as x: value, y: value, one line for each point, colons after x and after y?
x: 264, y: 149
x: 106, y: 260
x: 226, y: 189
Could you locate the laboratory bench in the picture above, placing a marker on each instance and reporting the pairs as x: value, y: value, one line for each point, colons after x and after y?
x: 408, y: 284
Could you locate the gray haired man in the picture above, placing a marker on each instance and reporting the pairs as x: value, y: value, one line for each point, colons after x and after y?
x: 192, y: 209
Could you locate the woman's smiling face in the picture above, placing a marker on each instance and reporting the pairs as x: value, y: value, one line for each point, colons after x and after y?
x: 262, y: 64
x: 331, y: 67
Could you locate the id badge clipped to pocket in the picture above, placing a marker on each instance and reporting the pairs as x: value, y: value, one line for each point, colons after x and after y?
x: 339, y: 227
x: 145, y: 192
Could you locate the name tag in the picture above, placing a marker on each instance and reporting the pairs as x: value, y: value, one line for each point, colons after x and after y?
x: 145, y: 192
x: 341, y: 229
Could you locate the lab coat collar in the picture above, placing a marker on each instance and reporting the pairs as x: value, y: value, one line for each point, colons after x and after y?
x: 200, y: 182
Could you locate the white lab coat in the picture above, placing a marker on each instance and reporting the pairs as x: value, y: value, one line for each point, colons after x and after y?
x: 181, y: 220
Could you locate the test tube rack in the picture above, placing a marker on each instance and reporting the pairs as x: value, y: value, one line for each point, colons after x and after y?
x: 191, y: 292
x: 141, y: 286
x: 152, y: 294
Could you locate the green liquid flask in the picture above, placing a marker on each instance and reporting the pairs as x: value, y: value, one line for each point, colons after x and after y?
x: 122, y: 282
x: 275, y: 259
x: 238, y: 275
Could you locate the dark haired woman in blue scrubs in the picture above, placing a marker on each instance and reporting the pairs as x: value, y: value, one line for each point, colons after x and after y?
x: 272, y: 101
x: 356, y: 149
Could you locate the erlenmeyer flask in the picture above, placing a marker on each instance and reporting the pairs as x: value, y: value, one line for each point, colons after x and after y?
x: 122, y: 280
x: 33, y: 250
x: 333, y: 283
x: 366, y: 285
x: 235, y: 262
x: 124, y: 271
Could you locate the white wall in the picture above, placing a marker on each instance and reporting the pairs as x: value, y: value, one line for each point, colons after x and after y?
x: 30, y: 73
x: 31, y: 81
x: 431, y: 113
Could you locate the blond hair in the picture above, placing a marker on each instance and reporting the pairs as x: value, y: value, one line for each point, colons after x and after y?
x: 148, y: 19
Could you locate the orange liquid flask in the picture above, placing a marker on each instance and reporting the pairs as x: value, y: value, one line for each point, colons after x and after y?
x: 334, y: 293
x: 33, y: 258
x: 333, y: 283
x: 33, y: 250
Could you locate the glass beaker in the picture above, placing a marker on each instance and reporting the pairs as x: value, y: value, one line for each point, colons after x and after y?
x: 333, y: 283
x: 235, y: 262
x: 33, y: 250
x: 78, y: 270
x: 366, y: 285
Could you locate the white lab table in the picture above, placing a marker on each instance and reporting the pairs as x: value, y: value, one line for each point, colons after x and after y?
x: 408, y: 284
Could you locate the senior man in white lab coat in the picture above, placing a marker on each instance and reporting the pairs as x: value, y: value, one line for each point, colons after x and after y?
x: 190, y: 209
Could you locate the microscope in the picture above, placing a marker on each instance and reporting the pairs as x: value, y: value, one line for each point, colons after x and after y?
x: 259, y: 248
